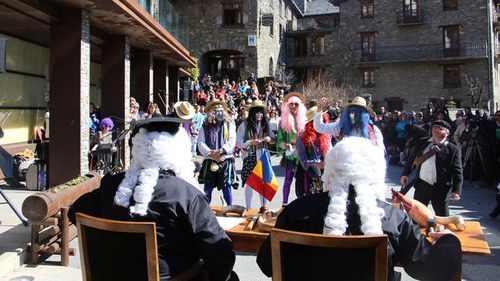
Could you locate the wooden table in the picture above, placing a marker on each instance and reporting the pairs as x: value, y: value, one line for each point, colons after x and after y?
x: 472, y: 238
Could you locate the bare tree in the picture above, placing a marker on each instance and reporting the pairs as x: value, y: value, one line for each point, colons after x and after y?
x: 320, y: 85
x: 475, y: 90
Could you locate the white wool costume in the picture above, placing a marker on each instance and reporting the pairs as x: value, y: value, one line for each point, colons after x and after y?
x: 354, y: 161
x: 151, y: 152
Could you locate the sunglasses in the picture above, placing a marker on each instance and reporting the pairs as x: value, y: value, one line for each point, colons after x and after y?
x: 294, y: 103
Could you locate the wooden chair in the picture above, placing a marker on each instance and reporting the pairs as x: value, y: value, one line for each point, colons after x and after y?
x: 299, y: 254
x: 122, y: 250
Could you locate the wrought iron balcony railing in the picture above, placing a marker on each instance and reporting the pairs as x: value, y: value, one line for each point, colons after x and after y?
x: 424, y: 51
x: 312, y: 24
x: 410, y: 17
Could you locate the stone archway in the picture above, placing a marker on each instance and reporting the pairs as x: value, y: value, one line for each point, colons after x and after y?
x: 222, y: 59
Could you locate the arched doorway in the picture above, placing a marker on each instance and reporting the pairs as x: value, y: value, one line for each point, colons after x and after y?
x: 222, y: 63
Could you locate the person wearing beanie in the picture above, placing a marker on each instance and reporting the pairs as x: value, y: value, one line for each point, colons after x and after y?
x: 354, y: 204
x: 440, y: 176
x: 159, y: 186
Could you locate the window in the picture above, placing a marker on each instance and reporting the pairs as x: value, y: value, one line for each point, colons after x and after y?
x: 368, y: 46
x: 232, y: 12
x: 451, y: 41
x: 450, y: 5
x: 271, y: 67
x: 367, y: 9
x: 318, y: 45
x: 368, y: 77
x: 452, y: 76
x: 410, y: 10
x: 300, y: 46
x: 281, y: 33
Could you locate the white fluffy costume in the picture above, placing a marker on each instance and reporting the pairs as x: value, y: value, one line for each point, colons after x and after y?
x: 152, y: 152
x: 354, y: 161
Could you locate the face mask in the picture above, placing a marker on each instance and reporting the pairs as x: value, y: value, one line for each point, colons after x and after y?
x: 219, y: 115
x: 352, y: 115
x: 258, y: 116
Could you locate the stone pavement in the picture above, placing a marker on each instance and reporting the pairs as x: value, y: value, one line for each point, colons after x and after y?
x: 476, y: 204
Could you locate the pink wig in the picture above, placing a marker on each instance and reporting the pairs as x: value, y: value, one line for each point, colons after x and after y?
x: 288, y: 119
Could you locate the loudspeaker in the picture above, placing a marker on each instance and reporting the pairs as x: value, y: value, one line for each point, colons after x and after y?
x: 36, y: 177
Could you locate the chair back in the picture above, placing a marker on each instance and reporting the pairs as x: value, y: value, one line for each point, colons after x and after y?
x: 299, y: 255
x: 117, y: 250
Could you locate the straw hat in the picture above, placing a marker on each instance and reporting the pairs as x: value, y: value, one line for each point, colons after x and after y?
x: 184, y: 110
x: 295, y: 94
x: 257, y: 103
x: 215, y: 105
x: 310, y: 113
x: 359, y: 101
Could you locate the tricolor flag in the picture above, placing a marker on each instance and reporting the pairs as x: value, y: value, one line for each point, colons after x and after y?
x: 262, y: 178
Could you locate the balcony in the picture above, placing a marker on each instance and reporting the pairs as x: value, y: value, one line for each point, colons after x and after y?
x: 410, y: 17
x: 170, y: 19
x: 308, y: 24
x: 472, y: 49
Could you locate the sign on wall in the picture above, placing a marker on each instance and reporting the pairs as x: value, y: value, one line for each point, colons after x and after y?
x: 267, y: 19
x: 3, y: 54
x: 252, y: 40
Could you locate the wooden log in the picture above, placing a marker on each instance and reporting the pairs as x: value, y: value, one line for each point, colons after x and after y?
x: 48, y: 246
x: 42, y: 205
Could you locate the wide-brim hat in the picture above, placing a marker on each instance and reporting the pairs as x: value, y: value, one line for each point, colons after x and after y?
x: 257, y: 103
x: 184, y: 110
x: 160, y: 123
x: 214, y: 104
x: 310, y: 113
x: 442, y: 124
x: 359, y: 101
x: 295, y: 94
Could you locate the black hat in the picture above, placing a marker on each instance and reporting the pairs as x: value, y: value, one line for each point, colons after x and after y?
x: 442, y: 124
x: 158, y: 124
x: 333, y: 113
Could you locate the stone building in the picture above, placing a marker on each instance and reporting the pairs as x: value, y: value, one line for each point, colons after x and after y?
x: 237, y: 38
x: 75, y: 52
x: 310, y: 41
x: 406, y: 53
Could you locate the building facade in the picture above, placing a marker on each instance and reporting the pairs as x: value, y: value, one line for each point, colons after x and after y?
x: 406, y: 53
x: 72, y: 53
x: 235, y: 38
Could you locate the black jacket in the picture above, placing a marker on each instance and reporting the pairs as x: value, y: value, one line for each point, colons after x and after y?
x: 407, y: 246
x: 186, y: 227
x: 448, y: 165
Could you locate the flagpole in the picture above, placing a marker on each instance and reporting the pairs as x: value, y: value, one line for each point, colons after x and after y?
x: 263, y: 208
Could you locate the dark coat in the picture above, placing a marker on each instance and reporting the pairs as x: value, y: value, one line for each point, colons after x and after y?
x: 186, y: 227
x: 407, y: 246
x: 448, y: 165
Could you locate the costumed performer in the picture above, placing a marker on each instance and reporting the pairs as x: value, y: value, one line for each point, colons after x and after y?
x: 354, y: 204
x: 253, y: 136
x: 354, y: 121
x: 293, y: 121
x: 160, y: 187
x: 311, y: 148
x: 216, y: 142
